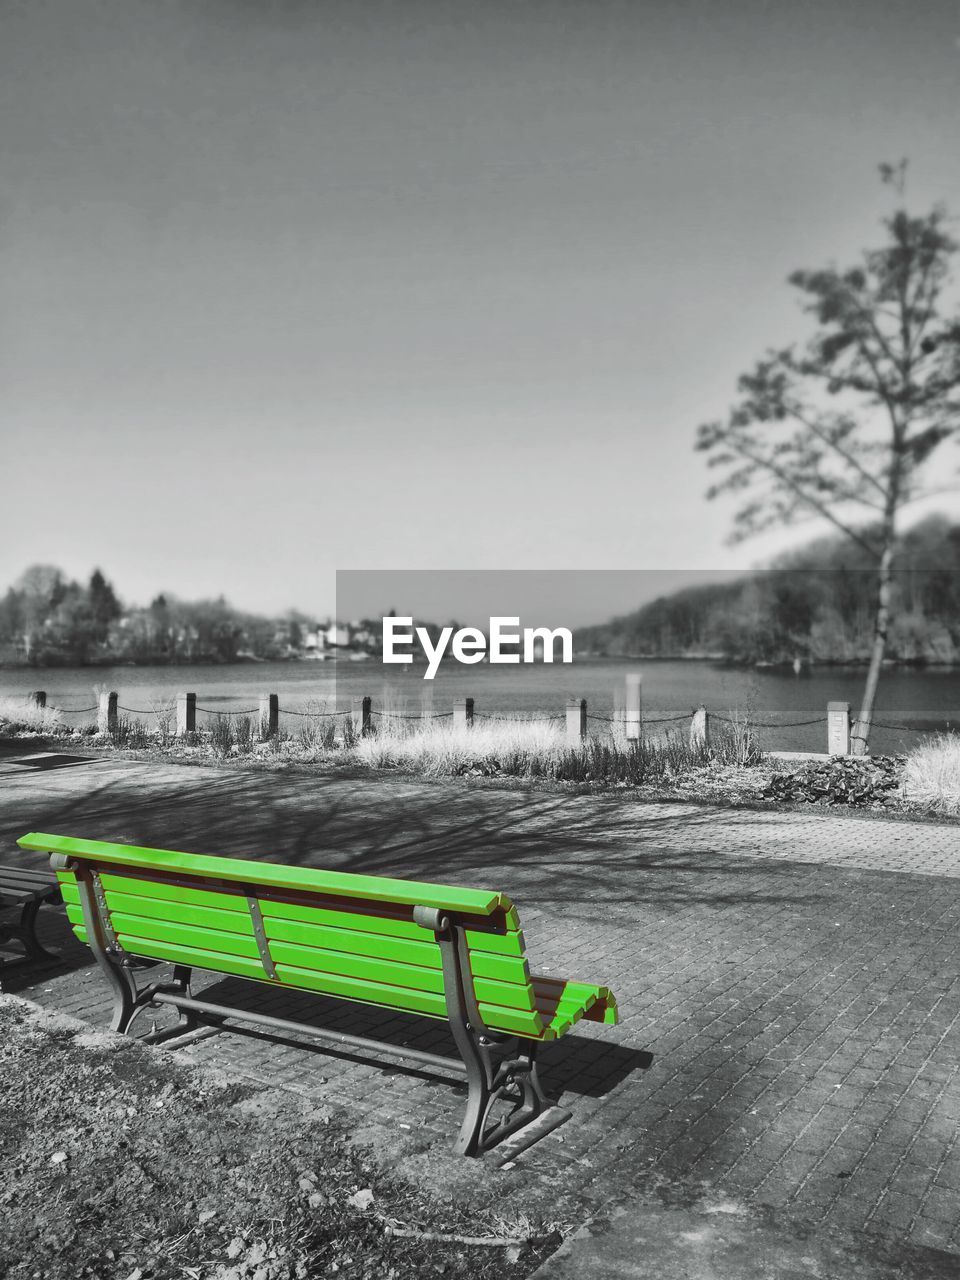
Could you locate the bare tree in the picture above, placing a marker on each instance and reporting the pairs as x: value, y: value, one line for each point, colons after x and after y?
x: 847, y: 422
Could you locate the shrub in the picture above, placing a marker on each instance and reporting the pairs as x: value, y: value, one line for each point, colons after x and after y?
x: 735, y: 742
x: 243, y: 733
x: 132, y: 734
x: 848, y: 780
x: 164, y: 711
x: 931, y: 774
x: 221, y: 735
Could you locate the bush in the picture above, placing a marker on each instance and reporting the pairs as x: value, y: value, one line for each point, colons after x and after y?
x: 735, y: 742
x: 931, y: 775
x: 221, y: 735
x: 243, y: 733
x: 848, y: 780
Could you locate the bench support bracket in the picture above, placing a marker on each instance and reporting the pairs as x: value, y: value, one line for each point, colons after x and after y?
x: 501, y: 1070
x: 115, y: 963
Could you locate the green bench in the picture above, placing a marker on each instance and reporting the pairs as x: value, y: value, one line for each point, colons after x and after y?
x: 435, y: 950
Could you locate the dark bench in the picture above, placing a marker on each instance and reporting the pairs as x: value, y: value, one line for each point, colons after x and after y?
x: 26, y: 890
x: 435, y: 950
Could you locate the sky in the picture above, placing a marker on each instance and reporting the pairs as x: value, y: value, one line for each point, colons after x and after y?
x: 297, y: 286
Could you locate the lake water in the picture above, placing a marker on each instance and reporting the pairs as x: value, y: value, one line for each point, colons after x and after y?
x: 915, y: 701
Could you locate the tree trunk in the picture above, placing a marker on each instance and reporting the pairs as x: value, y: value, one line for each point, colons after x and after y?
x: 861, y: 730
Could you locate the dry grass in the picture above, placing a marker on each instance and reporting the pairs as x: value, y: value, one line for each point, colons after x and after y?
x: 931, y: 775
x: 21, y: 713
x: 440, y: 750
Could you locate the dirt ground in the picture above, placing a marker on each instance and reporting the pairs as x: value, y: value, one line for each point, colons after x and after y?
x: 125, y: 1163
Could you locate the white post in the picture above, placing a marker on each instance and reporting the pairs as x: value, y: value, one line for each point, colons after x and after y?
x: 576, y: 721
x: 700, y: 728
x: 186, y: 713
x: 838, y: 728
x: 633, y: 721
x: 426, y: 705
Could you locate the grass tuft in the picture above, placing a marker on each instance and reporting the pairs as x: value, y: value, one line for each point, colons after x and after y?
x: 931, y: 774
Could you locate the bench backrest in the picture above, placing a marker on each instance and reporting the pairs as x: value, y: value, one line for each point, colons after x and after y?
x: 331, y: 932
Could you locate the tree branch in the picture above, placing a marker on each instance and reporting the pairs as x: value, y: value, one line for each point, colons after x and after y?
x: 796, y: 489
x: 847, y: 457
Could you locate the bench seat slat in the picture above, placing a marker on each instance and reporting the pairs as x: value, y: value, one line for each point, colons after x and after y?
x: 153, y: 949
x: 496, y: 1018
x: 166, y: 891
x: 25, y: 878
x: 415, y: 977
x: 563, y: 1003
x: 501, y: 944
x: 405, y: 977
x: 418, y: 950
x: 212, y: 941
x: 382, y: 994
x: 202, y: 917
x: 505, y: 941
x: 16, y: 897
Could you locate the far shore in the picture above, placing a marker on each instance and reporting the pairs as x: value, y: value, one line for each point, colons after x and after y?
x: 715, y: 659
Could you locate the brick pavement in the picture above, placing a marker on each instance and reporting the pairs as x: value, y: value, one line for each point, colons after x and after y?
x: 802, y: 1010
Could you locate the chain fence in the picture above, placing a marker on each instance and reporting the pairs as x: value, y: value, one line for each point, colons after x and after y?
x: 933, y: 723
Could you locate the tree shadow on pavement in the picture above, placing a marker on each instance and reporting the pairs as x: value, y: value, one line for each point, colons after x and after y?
x: 546, y: 848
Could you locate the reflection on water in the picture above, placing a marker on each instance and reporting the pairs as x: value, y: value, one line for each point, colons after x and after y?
x: 915, y: 700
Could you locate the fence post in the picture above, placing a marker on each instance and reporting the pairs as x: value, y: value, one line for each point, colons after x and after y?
x: 186, y: 713
x: 107, y: 713
x: 700, y: 728
x: 463, y: 713
x: 838, y: 728
x: 576, y: 721
x: 633, y: 724
x: 269, y: 716
x: 426, y: 703
x: 360, y: 714
x: 39, y: 698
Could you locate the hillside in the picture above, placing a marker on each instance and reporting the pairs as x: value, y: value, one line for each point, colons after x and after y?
x: 815, y: 604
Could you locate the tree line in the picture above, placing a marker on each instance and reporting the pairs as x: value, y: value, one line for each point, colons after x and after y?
x: 817, y: 604
x: 47, y: 619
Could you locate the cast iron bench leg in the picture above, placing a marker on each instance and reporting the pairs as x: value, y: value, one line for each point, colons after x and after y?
x: 498, y: 1071
x: 26, y: 934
